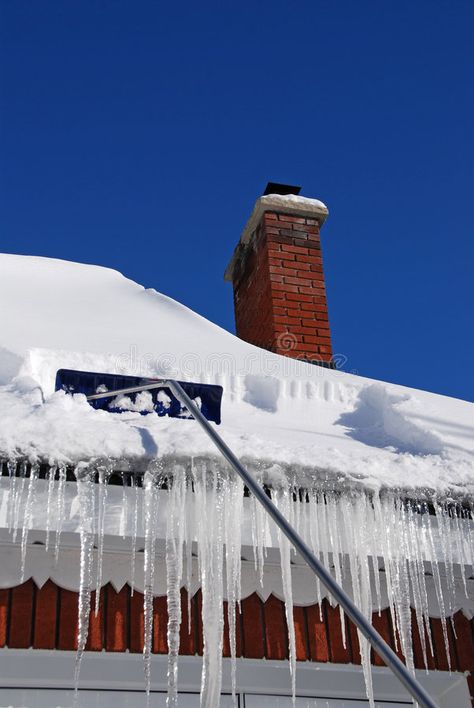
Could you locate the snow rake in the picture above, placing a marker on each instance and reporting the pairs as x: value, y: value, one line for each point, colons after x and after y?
x: 159, y: 397
x: 202, y: 403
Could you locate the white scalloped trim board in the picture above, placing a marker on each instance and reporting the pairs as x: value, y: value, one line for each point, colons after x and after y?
x: 40, y: 566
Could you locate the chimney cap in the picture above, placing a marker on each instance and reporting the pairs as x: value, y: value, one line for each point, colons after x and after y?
x: 283, y: 189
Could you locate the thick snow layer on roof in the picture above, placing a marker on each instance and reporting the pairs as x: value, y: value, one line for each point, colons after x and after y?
x: 294, y: 200
x: 332, y: 426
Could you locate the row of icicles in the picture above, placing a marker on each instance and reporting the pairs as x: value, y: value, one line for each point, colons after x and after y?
x: 205, y: 505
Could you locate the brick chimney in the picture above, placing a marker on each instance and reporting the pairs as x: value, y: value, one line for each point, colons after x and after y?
x: 278, y: 280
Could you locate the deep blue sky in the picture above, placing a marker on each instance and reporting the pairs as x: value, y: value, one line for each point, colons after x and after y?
x: 137, y: 135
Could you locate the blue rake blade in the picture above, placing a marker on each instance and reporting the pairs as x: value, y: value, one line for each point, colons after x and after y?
x: 207, y: 396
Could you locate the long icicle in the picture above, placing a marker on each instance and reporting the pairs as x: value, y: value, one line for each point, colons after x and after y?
x: 174, y: 572
x: 50, y: 479
x: 150, y: 503
x: 59, y: 510
x: 86, y: 497
x: 133, y: 551
x: 104, y: 470
x: 210, y: 527
x: 28, y: 515
x: 283, y: 500
x: 233, y: 499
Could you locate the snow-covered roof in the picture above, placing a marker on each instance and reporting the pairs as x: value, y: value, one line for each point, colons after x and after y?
x: 335, y: 427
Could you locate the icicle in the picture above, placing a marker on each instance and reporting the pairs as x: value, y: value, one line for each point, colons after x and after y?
x: 284, y: 499
x: 189, y: 537
x: 468, y: 534
x: 125, y: 508
x: 122, y: 465
x: 261, y: 519
x: 189, y: 572
x: 104, y: 471
x: 259, y: 527
x: 28, y: 515
x: 19, y: 490
x: 174, y: 571
x: 373, y: 549
x: 313, y: 536
x: 210, y: 525
x: 400, y: 589
x: 85, y: 495
x: 150, y: 502
x: 463, y: 543
x: 355, y: 519
x: 257, y: 539
x: 233, y: 498
x: 437, y: 578
x: 136, y: 492
x: 62, y: 475
x: 419, y: 535
x: 444, y: 537
x: 403, y: 590
x: 335, y: 538
x: 12, y: 467
x: 324, y: 535
x: 384, y: 523
x: 416, y: 575
x: 50, y: 479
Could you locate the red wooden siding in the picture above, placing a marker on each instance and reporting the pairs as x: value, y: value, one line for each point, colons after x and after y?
x: 46, y: 612
x: 4, y: 615
x: 21, y: 617
x: 317, y: 634
x: 253, y: 632
x: 46, y: 618
x: 116, y: 619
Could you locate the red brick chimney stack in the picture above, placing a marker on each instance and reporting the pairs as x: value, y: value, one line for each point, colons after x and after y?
x: 277, y: 275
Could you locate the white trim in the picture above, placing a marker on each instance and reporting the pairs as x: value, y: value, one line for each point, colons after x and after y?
x: 35, y: 668
x: 116, y: 569
x: 119, y: 521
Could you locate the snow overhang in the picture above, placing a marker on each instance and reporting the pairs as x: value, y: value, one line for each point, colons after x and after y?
x: 283, y: 204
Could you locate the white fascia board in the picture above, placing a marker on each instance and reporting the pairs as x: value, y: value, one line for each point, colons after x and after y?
x: 119, y: 523
x: 101, y: 670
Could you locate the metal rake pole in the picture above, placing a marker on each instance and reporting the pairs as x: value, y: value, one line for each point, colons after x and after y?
x: 379, y: 645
